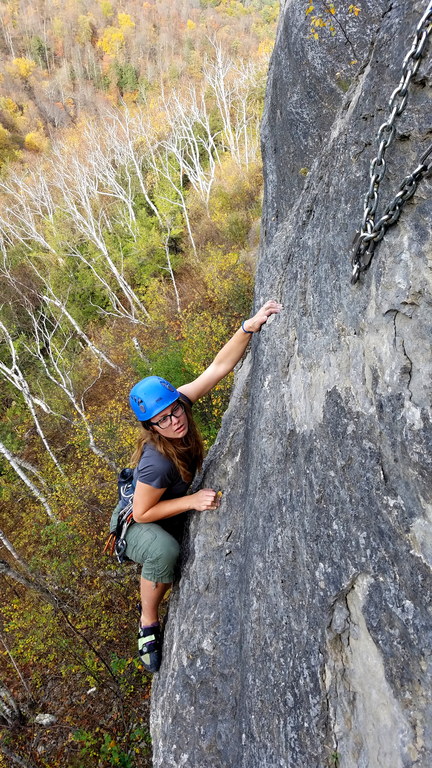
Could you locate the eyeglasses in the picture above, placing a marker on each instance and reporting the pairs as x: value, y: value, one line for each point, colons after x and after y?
x: 166, y: 421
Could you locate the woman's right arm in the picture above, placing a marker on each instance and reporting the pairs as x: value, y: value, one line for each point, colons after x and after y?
x: 147, y: 507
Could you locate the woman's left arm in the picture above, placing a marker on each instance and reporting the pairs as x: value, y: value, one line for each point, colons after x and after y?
x: 230, y: 354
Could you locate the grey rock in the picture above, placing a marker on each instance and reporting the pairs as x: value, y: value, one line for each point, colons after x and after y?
x: 300, y: 632
x: 45, y: 719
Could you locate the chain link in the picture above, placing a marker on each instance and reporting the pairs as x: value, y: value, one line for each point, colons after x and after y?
x: 372, y: 231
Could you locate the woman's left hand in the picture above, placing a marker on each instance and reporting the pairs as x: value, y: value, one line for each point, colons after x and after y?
x: 269, y: 308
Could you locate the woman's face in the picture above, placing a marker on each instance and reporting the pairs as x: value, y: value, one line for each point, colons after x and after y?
x: 175, y: 427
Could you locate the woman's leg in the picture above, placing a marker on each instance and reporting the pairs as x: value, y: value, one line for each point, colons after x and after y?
x: 151, y: 596
x: 157, y: 551
x: 156, y: 577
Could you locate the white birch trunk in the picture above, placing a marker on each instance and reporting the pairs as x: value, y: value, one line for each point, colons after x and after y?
x: 29, y: 483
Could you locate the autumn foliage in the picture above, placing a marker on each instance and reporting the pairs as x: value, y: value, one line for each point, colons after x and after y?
x: 130, y: 195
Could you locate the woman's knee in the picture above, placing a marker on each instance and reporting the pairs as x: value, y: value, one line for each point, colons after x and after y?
x: 165, y: 550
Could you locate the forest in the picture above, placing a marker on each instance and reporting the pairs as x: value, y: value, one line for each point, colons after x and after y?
x: 130, y: 200
x: 130, y: 192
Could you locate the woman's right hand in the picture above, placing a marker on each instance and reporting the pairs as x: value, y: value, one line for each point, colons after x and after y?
x: 203, y: 499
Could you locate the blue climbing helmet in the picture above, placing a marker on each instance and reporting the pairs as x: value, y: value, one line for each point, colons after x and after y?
x: 150, y: 396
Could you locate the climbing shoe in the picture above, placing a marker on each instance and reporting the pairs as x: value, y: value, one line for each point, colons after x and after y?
x: 150, y: 647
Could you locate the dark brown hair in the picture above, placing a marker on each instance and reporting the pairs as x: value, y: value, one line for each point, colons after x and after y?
x: 186, y: 453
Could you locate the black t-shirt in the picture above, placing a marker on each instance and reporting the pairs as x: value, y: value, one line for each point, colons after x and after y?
x: 156, y: 470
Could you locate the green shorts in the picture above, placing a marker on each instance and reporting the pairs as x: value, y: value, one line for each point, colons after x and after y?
x: 154, y: 548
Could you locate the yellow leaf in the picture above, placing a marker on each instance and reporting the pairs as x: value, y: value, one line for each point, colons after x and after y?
x: 35, y: 142
x: 112, y: 41
x: 22, y: 67
x: 125, y: 21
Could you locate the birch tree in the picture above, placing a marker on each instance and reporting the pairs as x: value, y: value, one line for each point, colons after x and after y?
x: 191, y: 140
x: 31, y: 206
x: 166, y: 166
x: 11, y: 549
x: 232, y: 85
x: 110, y: 174
x: 77, y: 193
x: 10, y: 712
x: 49, y: 348
x: 15, y: 376
x: 128, y: 136
x: 44, y: 293
x: 17, y: 467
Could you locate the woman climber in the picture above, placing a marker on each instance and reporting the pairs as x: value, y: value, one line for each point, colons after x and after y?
x: 169, y: 451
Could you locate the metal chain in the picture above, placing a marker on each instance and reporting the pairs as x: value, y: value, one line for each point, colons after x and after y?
x: 372, y: 231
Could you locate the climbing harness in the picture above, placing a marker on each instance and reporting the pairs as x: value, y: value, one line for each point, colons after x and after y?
x: 116, y: 542
x: 372, y: 231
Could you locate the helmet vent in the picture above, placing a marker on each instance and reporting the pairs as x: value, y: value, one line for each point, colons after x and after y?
x: 167, y: 385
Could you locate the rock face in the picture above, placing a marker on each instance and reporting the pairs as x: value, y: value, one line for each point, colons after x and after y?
x: 301, y: 631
